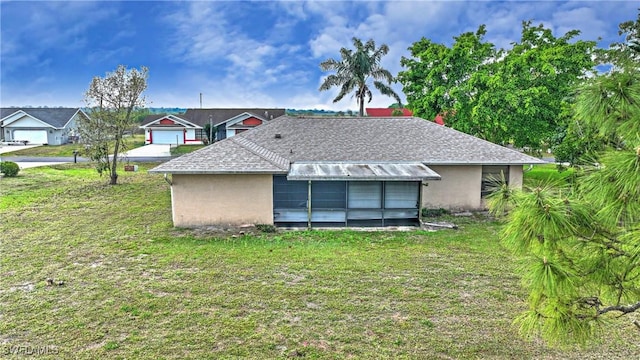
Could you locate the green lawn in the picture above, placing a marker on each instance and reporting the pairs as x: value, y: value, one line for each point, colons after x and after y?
x: 137, y: 288
x: 547, y: 173
x: 66, y: 149
x: 184, y: 149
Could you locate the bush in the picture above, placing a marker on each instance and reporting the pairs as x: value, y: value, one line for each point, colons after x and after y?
x: 9, y: 168
x: 266, y: 228
x: 434, y: 212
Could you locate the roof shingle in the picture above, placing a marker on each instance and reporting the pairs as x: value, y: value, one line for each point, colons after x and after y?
x: 318, y: 139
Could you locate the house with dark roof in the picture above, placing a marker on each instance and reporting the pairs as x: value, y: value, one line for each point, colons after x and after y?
x: 188, y: 128
x: 53, y: 126
x: 384, y: 112
x: 326, y: 171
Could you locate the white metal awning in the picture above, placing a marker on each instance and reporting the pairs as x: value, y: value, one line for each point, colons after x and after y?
x: 361, y: 171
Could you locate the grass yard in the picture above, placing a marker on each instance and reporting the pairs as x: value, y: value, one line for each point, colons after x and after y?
x: 135, y: 287
x: 185, y: 149
x: 548, y: 173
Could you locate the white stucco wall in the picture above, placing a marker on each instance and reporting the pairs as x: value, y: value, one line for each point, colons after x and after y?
x: 199, y: 200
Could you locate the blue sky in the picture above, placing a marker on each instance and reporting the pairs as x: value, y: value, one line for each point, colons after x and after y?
x: 248, y: 54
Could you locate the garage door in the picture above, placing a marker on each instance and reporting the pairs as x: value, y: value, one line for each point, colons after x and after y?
x: 33, y: 136
x: 168, y: 136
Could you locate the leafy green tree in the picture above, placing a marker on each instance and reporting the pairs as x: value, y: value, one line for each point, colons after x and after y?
x: 519, y: 96
x: 437, y: 78
x: 580, y: 246
x: 112, y: 102
x: 356, y: 69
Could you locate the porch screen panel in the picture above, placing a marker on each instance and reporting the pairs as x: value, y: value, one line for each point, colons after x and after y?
x: 401, y: 195
x: 328, y: 202
x: 289, y: 200
x: 365, y: 195
x: 328, y: 195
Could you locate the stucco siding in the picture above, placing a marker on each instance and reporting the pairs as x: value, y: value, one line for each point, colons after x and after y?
x: 458, y: 189
x: 222, y: 199
x: 515, y: 176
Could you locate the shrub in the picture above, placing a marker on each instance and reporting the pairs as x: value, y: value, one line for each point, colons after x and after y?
x: 434, y: 212
x: 266, y: 228
x: 9, y: 168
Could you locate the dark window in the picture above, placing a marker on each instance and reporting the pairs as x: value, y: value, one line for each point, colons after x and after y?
x: 328, y: 194
x: 401, y: 195
x: 340, y: 203
x: 493, y: 176
x: 289, y: 194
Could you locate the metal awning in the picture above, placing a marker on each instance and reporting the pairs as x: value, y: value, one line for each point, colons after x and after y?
x: 361, y: 171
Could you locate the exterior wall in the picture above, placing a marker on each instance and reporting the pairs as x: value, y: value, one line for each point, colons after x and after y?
x: 190, y: 137
x: 252, y: 122
x: 57, y: 137
x: 199, y: 200
x: 459, y: 188
x: 27, y: 122
x: 515, y: 176
x: 230, y: 133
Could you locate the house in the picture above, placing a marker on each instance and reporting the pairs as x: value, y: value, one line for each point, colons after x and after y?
x: 171, y: 129
x: 384, y: 112
x: 160, y: 129
x: 53, y: 126
x: 325, y: 171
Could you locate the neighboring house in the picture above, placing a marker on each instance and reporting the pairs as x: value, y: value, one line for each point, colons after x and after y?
x: 171, y: 129
x: 228, y: 122
x: 53, y: 126
x: 325, y: 171
x: 385, y: 112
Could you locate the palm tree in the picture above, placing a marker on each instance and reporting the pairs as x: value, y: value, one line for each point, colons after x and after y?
x: 355, y: 69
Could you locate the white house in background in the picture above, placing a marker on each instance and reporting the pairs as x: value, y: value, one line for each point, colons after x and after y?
x: 170, y: 129
x: 165, y: 129
x: 52, y: 126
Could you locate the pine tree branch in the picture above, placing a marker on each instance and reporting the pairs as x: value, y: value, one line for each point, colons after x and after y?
x: 620, y: 308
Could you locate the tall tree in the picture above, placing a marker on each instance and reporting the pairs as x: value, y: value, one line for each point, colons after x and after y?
x: 581, y: 246
x: 355, y: 71
x: 518, y: 96
x: 436, y: 81
x: 112, y: 102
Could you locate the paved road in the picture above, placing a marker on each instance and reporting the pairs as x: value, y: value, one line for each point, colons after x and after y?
x: 147, y: 153
x: 81, y: 159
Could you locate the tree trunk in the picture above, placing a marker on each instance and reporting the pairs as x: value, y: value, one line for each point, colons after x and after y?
x: 114, y: 163
x: 361, y: 100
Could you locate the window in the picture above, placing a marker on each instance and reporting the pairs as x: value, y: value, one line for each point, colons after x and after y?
x: 345, y: 203
x: 328, y: 194
x: 492, y: 177
x: 289, y: 194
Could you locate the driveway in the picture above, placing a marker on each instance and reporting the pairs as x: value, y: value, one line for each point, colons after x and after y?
x: 152, y: 150
x: 10, y: 148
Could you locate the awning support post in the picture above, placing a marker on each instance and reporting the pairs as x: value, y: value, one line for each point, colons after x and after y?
x: 309, y: 206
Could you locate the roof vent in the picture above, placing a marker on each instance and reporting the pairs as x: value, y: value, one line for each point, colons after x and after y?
x: 278, y: 136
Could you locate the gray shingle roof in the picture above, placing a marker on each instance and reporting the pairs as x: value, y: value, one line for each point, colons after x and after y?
x: 56, y: 117
x: 318, y: 139
x: 233, y: 155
